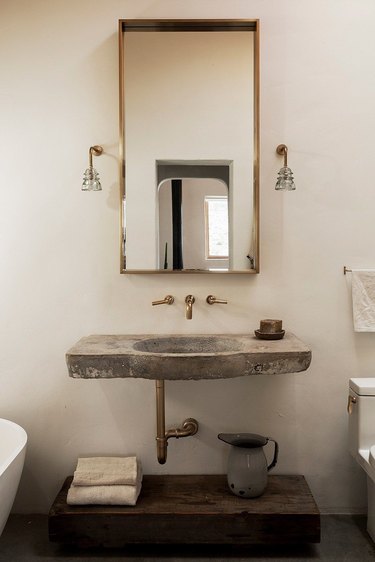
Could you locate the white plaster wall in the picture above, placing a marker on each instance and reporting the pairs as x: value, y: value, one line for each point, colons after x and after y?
x: 60, y: 260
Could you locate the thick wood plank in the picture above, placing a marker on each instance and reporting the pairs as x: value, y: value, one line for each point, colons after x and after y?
x: 192, y: 509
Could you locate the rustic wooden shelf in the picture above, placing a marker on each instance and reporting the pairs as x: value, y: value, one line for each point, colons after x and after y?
x: 191, y: 509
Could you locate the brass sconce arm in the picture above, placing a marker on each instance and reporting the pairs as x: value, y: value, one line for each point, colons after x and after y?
x: 95, y: 150
x: 282, y: 149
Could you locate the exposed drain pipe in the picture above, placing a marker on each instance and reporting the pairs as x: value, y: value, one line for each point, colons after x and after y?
x: 189, y: 426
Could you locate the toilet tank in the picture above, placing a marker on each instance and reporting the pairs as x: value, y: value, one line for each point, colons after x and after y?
x: 361, y: 410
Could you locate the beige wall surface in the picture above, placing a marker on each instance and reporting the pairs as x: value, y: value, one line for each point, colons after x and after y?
x: 60, y: 257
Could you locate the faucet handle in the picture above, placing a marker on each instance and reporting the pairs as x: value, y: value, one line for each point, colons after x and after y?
x: 166, y: 300
x: 213, y: 300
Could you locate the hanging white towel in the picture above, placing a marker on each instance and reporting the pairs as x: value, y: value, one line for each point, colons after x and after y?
x: 107, y: 471
x: 363, y: 294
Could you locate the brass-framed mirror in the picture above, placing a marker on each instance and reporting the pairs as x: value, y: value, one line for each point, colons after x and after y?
x: 189, y: 146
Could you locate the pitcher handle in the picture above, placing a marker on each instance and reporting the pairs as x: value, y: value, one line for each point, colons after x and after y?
x: 275, y: 454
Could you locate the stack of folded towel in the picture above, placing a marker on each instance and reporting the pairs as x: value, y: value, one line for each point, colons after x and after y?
x: 106, y: 481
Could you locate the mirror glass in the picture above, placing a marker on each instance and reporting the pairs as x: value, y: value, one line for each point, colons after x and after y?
x: 189, y: 141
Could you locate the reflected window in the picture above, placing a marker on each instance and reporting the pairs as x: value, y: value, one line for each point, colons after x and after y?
x: 216, y: 227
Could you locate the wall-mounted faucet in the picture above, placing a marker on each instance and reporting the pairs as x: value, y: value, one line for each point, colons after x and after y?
x: 166, y: 300
x: 189, y: 300
x: 213, y: 300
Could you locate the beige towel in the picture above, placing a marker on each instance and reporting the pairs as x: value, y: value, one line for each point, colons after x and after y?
x: 363, y: 294
x: 107, y: 471
x: 103, y: 495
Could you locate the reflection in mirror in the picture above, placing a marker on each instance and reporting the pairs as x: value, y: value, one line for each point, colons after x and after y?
x: 193, y: 224
x: 216, y: 227
x: 189, y: 111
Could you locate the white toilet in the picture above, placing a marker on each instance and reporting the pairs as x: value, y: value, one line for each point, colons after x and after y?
x: 361, y: 409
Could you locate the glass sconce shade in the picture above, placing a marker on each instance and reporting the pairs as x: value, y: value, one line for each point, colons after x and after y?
x: 285, y: 180
x: 91, y: 181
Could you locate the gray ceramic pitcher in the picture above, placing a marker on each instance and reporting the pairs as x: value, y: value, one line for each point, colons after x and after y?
x: 247, y: 463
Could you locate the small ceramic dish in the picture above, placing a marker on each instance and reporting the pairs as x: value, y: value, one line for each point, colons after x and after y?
x: 268, y: 335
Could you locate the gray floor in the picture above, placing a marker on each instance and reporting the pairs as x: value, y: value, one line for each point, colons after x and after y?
x: 344, y: 538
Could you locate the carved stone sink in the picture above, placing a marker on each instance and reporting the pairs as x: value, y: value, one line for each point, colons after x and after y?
x: 189, y: 344
x: 183, y: 357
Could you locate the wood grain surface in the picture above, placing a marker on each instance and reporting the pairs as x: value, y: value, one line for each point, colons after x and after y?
x: 192, y: 509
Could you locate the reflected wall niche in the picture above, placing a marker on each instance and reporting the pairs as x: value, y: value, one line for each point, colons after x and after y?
x: 189, y: 146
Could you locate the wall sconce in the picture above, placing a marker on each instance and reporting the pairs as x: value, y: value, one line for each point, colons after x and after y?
x: 91, y: 180
x: 285, y: 180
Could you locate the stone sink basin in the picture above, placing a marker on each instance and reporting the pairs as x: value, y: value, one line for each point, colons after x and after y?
x: 189, y: 344
x: 185, y: 357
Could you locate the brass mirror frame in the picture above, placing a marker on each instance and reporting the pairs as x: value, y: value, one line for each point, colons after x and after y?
x: 190, y: 25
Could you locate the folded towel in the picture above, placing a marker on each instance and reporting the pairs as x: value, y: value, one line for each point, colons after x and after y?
x: 107, y: 471
x: 118, y: 494
x: 363, y: 294
x: 103, y: 495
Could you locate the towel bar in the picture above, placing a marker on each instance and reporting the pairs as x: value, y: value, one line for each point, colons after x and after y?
x: 347, y: 270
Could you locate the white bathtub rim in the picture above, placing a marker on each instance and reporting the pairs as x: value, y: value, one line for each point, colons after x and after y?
x: 20, y: 444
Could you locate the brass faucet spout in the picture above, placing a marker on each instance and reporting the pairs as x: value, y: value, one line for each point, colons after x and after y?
x: 189, y: 300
